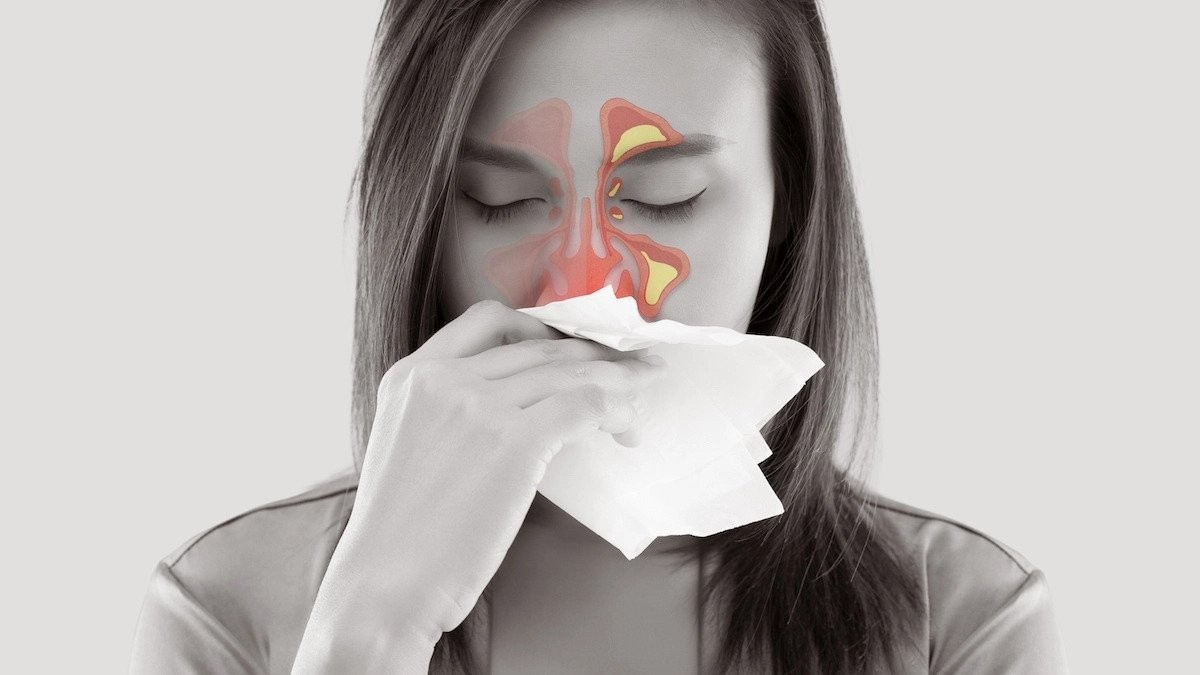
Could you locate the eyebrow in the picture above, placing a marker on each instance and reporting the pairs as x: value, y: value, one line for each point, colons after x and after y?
x: 692, y: 145
x: 474, y: 150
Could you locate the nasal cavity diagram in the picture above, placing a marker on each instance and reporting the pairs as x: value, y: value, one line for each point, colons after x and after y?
x: 584, y: 251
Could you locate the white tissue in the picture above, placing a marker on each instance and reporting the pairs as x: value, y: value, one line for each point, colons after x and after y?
x: 695, y: 470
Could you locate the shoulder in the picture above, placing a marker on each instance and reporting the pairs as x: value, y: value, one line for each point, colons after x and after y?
x: 985, y: 599
x: 262, y: 528
x: 947, y: 545
x: 257, y: 573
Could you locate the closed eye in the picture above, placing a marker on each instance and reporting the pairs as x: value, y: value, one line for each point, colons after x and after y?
x: 675, y: 211
x: 493, y: 212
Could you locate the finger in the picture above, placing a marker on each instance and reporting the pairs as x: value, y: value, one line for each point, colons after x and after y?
x: 484, y: 325
x: 622, y: 377
x: 575, y: 413
x: 507, y: 360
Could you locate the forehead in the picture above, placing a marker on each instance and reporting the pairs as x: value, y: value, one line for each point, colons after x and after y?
x: 686, y: 62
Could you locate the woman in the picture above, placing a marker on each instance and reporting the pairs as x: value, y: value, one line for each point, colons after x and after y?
x: 690, y: 154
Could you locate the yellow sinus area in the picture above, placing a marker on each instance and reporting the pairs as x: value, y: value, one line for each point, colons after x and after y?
x: 635, y: 136
x: 661, y: 274
x: 616, y: 186
x: 616, y: 214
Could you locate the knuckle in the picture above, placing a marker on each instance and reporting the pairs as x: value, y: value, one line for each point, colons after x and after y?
x: 385, y: 381
x: 477, y: 407
x: 430, y: 372
x: 598, y: 400
x: 422, y: 371
x: 549, y: 346
x: 490, y: 313
x: 485, y: 307
x: 464, y: 403
x: 394, y: 375
x: 627, y: 367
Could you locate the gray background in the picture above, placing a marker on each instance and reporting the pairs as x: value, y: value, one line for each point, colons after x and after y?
x: 177, y: 296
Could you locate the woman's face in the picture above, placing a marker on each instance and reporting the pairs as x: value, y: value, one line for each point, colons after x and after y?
x: 622, y: 144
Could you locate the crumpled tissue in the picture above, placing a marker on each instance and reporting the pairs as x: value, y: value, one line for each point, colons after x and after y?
x: 695, y: 469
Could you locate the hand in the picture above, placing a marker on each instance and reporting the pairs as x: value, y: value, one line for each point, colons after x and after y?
x: 463, y: 432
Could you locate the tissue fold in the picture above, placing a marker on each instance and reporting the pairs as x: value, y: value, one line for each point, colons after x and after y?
x: 695, y: 470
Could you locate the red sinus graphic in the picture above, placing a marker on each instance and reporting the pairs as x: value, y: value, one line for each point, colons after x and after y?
x: 584, y: 251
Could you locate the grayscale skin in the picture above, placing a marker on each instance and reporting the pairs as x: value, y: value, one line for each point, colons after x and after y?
x: 463, y: 514
x: 621, y: 144
x: 704, y: 76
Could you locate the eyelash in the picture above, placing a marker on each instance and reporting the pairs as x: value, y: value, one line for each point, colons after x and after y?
x: 677, y: 211
x: 492, y: 213
x: 656, y: 212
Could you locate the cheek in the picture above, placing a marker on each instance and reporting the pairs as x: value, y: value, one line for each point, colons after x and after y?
x: 728, y: 248
x: 460, y: 267
x: 722, y: 290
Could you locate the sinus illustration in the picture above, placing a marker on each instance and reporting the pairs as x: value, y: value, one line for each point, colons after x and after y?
x: 585, y: 251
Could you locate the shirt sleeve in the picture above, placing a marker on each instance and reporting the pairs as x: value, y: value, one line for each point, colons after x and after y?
x: 176, y: 634
x: 1021, y: 637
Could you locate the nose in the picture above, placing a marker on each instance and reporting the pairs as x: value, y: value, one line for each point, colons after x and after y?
x: 584, y: 254
x: 584, y: 262
x: 585, y: 251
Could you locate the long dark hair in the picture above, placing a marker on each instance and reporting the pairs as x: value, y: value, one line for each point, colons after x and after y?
x: 824, y: 587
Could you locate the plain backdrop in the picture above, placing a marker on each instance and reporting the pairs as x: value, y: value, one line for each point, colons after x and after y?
x: 177, y: 291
